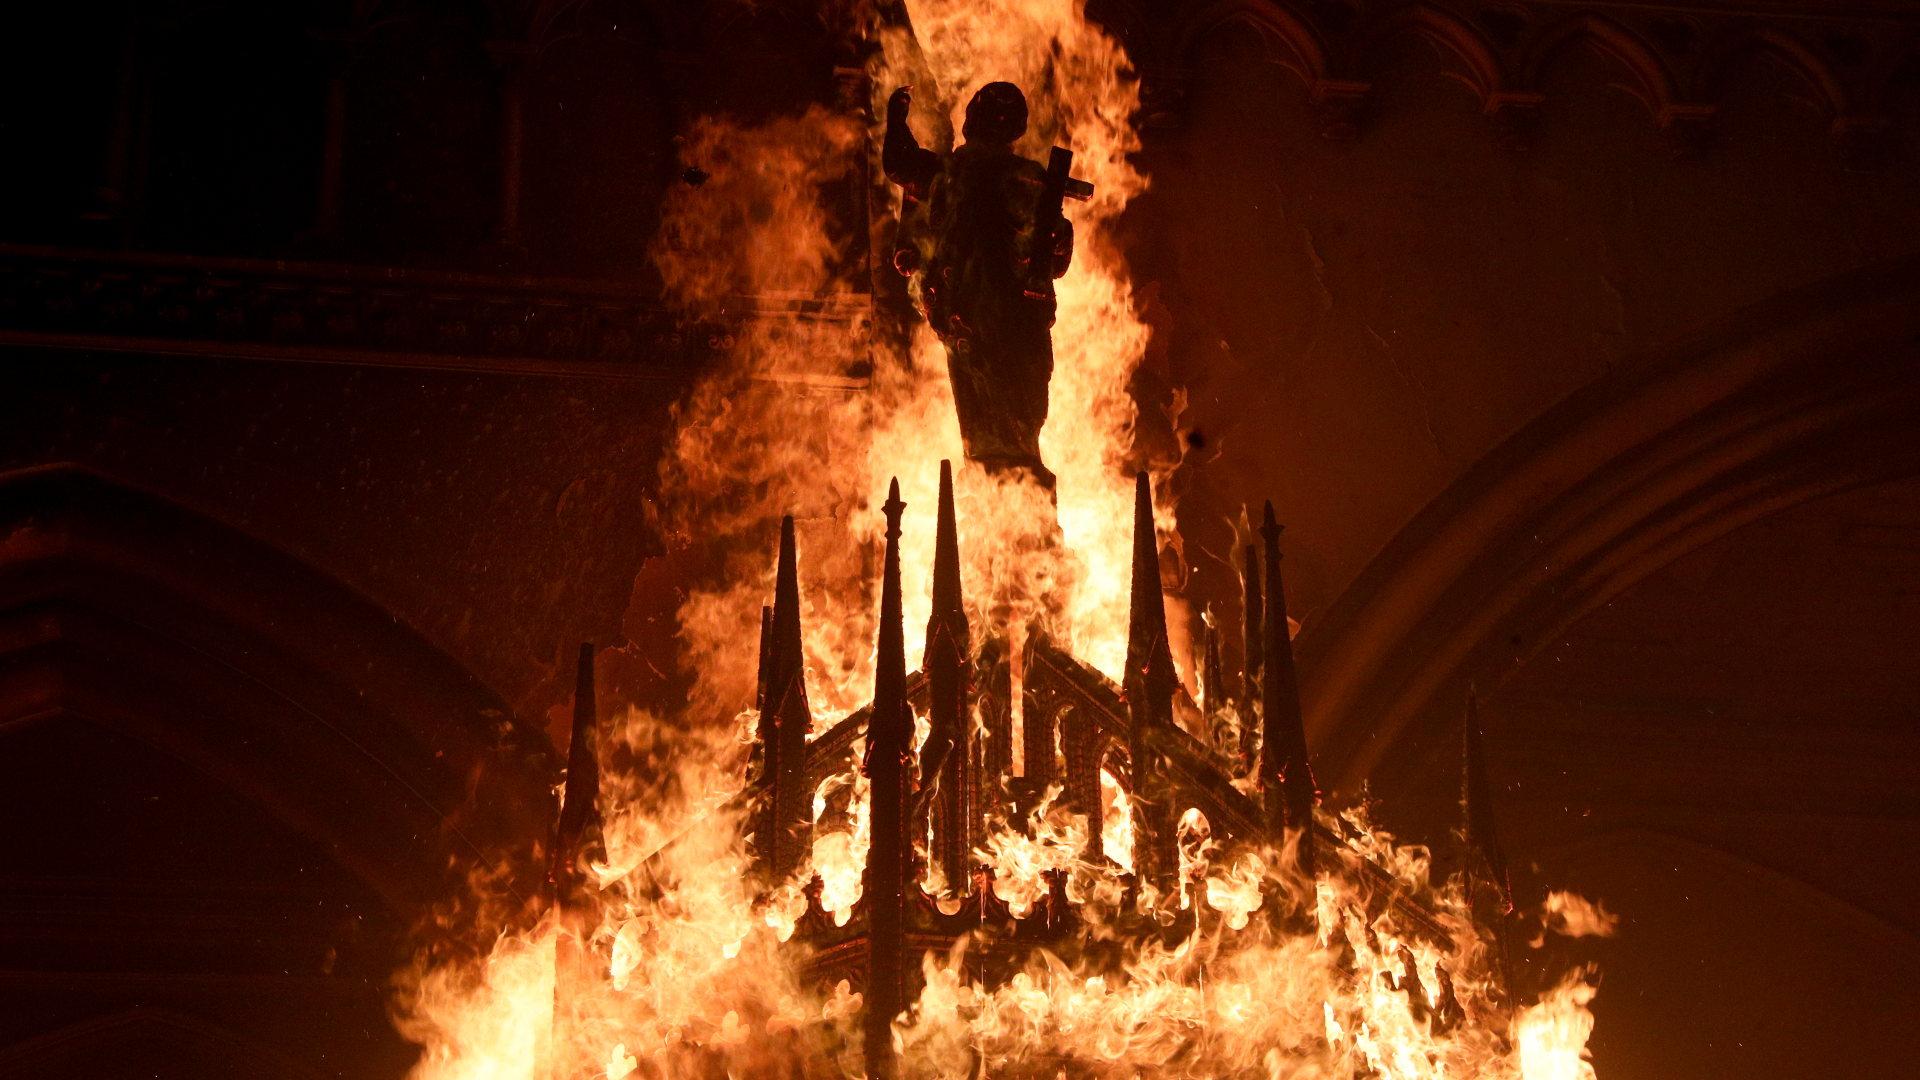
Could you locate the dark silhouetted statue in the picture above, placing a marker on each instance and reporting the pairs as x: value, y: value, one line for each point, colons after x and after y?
x: 983, y: 239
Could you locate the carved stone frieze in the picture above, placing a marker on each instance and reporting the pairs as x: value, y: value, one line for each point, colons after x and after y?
x: 341, y: 314
x: 1674, y: 58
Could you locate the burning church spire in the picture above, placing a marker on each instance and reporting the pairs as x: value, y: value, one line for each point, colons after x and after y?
x: 576, y: 844
x: 1286, y: 777
x: 889, y: 769
x: 1254, y: 650
x: 947, y: 781
x: 783, y: 835
x: 779, y: 919
x: 864, y: 989
x: 1149, y: 688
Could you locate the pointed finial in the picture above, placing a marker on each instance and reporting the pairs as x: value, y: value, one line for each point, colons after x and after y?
x: 945, y: 771
x: 1210, y: 672
x: 946, y: 548
x: 583, y: 765
x: 1476, y: 801
x: 1147, y: 618
x: 887, y: 766
x: 890, y: 630
x: 947, y: 606
x: 766, y: 646
x: 1284, y: 757
x: 1253, y: 644
x: 785, y: 720
x: 1146, y: 547
x: 893, y: 509
x: 784, y: 644
x: 1270, y: 528
x: 1149, y: 686
x: 786, y: 585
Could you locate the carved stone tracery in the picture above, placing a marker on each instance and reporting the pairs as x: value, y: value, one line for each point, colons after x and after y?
x: 1507, y: 55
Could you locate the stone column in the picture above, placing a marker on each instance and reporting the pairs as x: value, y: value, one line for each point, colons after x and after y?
x: 108, y: 217
x: 1286, y: 776
x: 337, y: 52
x: 512, y: 62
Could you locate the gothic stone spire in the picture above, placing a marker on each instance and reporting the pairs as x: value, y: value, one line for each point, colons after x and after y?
x: 1285, y: 775
x: 888, y: 766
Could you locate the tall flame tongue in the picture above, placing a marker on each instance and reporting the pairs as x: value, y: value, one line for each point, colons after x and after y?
x: 772, y: 436
x: 696, y: 980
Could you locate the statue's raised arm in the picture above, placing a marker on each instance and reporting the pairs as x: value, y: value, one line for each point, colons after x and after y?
x: 906, y: 163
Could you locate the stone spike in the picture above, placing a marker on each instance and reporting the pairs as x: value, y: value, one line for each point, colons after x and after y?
x: 890, y: 678
x: 1148, y: 654
x: 947, y: 607
x: 766, y: 646
x: 1253, y: 652
x: 888, y: 759
x: 1148, y: 687
x: 1476, y: 811
x: 763, y: 762
x: 1285, y: 774
x: 1476, y: 806
x: 579, y: 816
x: 945, y: 758
x: 783, y: 839
x: 1253, y: 624
x: 785, y: 647
x: 1210, y: 675
x: 578, y: 810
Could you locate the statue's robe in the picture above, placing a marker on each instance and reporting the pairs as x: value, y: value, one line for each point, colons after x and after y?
x: 968, y: 234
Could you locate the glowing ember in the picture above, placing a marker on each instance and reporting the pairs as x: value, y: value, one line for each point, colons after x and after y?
x: 1056, y: 959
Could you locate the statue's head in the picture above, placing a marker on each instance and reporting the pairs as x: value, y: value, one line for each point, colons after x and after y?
x: 997, y: 114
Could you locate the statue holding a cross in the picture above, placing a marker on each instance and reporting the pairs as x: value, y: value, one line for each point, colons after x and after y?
x: 983, y: 239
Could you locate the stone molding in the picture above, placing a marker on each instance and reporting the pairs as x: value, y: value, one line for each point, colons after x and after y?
x: 331, y: 313
x: 1676, y: 59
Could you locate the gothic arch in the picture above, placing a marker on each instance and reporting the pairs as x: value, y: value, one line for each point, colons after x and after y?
x: 1485, y: 74
x: 138, y: 615
x: 1310, y: 57
x: 1723, y: 53
x: 1653, y: 83
x: 1806, y: 394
